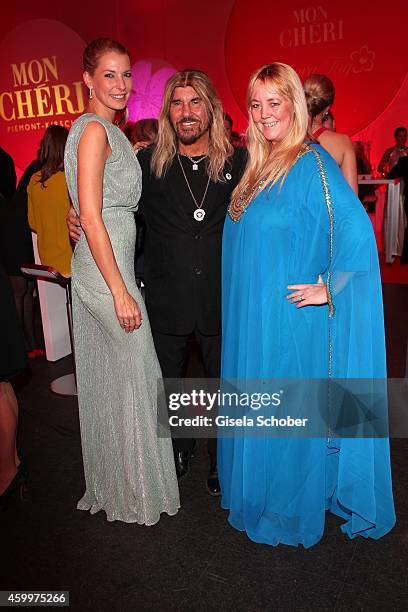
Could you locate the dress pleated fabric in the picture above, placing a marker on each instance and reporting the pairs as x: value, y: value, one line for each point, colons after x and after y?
x: 129, y: 470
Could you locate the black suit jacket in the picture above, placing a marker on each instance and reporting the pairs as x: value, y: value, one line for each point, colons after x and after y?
x: 16, y: 245
x: 400, y: 170
x: 7, y: 175
x: 182, y: 262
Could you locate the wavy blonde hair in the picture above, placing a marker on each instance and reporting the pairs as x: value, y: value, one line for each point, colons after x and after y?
x: 272, y: 162
x: 166, y: 145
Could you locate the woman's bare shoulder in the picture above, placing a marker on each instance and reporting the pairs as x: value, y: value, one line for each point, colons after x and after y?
x: 94, y: 129
x: 93, y: 139
x: 335, y: 138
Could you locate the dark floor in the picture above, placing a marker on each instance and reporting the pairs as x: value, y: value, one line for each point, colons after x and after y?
x: 194, y: 561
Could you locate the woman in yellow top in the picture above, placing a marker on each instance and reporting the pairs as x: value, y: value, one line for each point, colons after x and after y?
x: 48, y: 202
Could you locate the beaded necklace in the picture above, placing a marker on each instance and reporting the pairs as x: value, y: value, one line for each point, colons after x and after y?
x: 236, y: 209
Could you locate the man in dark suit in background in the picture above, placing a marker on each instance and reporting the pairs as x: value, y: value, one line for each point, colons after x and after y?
x: 400, y: 170
x: 7, y: 175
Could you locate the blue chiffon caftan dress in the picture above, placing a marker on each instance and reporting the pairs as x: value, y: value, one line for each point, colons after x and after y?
x: 278, y: 489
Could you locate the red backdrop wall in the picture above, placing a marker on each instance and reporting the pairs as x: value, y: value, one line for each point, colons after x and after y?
x: 361, y: 47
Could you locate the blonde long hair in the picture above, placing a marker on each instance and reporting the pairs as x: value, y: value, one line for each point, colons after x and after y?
x: 268, y: 162
x: 166, y: 145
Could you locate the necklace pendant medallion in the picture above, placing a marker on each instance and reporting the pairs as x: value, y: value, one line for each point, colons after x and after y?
x: 199, y: 214
x: 195, y: 166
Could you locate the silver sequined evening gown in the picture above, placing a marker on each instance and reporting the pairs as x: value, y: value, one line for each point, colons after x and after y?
x: 129, y: 471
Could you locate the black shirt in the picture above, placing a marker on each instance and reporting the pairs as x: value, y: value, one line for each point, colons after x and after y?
x: 16, y: 246
x: 7, y: 175
x: 183, y: 256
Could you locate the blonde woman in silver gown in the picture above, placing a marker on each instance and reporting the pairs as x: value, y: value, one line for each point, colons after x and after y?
x: 129, y: 470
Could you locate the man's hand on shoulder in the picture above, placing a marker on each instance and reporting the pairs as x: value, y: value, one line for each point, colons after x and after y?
x: 139, y: 146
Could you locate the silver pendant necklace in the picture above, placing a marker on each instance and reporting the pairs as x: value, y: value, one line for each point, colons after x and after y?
x: 199, y: 213
x: 195, y: 162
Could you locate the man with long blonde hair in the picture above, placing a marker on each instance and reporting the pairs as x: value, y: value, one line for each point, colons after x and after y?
x: 188, y: 177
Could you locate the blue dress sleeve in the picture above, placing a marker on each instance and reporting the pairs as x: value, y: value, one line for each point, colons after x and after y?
x: 359, y: 473
x: 354, y: 282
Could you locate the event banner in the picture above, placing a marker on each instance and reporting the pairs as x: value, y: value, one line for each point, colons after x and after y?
x: 40, y: 84
x: 360, y: 47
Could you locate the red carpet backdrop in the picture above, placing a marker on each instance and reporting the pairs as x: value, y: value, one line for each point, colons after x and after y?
x: 351, y: 43
x: 149, y: 79
x: 361, y: 46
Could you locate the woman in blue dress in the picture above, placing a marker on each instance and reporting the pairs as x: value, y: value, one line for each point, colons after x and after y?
x: 301, y: 300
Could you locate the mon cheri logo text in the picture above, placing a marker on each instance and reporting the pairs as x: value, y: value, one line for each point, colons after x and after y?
x: 38, y: 97
x: 40, y: 85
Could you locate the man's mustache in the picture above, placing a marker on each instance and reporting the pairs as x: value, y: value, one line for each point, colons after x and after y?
x: 187, y: 119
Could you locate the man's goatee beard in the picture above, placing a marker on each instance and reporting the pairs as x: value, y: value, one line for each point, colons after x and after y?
x: 191, y: 139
